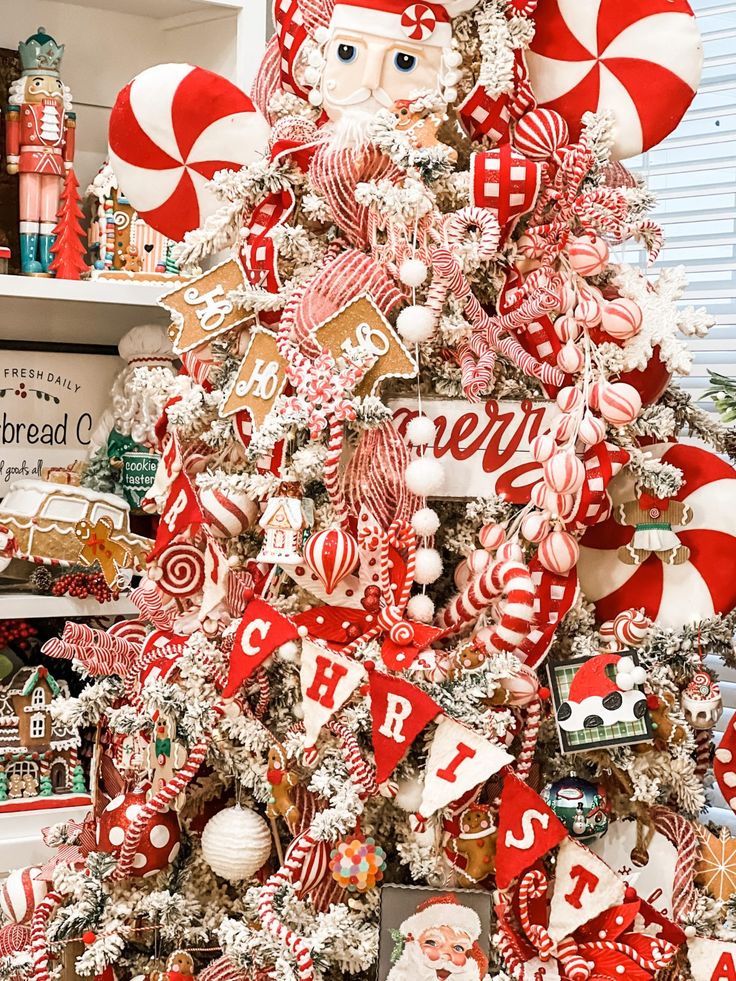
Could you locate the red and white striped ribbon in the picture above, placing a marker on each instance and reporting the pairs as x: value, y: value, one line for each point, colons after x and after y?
x: 39, y: 943
x: 147, y: 597
x: 529, y: 736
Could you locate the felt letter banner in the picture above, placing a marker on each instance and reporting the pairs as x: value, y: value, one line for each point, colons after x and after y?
x: 181, y: 511
x: 584, y: 887
x: 712, y: 960
x: 328, y: 680
x: 458, y: 760
x: 259, y: 633
x: 527, y: 829
x: 399, y: 712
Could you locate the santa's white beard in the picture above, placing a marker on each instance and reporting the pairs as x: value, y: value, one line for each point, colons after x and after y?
x: 413, y: 965
x: 352, y: 129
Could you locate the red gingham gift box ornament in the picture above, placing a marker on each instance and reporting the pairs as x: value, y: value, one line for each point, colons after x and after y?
x: 506, y: 183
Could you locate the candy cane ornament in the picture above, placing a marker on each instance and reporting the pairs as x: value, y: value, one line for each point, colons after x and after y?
x: 510, y: 583
x: 39, y: 944
x: 530, y: 734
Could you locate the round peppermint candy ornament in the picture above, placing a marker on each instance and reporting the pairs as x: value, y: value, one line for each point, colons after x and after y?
x: 171, y: 129
x: 694, y: 575
x: 640, y: 60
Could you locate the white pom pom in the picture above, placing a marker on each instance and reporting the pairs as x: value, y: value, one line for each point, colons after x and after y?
x: 421, y: 608
x: 450, y: 94
x: 425, y: 522
x: 412, y: 272
x: 453, y: 59
x: 452, y: 78
x: 315, y: 97
x: 288, y: 651
x: 322, y: 35
x: 624, y: 681
x: 639, y: 675
x: 311, y: 75
x: 424, y: 476
x: 420, y: 431
x: 415, y: 324
x: 428, y: 566
x: 315, y: 59
x: 625, y: 664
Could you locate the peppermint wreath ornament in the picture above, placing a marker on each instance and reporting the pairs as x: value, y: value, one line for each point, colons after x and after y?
x: 640, y: 60
x: 679, y: 569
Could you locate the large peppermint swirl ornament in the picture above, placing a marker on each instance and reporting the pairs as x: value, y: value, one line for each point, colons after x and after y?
x: 418, y: 22
x: 640, y: 60
x: 181, y: 569
x: 171, y: 129
x: 331, y: 555
x: 671, y: 594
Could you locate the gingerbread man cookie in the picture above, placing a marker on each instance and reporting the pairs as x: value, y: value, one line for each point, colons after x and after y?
x: 282, y: 802
x: 653, y: 518
x: 99, y: 545
x: 165, y: 755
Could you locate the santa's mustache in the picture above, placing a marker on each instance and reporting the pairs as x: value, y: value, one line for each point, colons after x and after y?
x: 363, y: 95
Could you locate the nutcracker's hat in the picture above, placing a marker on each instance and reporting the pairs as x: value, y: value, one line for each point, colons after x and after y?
x: 40, y: 53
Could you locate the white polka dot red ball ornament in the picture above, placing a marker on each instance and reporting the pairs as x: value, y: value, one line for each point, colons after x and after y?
x: 588, y: 255
x: 227, y: 513
x: 639, y: 61
x: 159, y: 844
x: 172, y: 128
x: 236, y: 843
x: 21, y: 893
x: 558, y: 552
x: 621, y: 318
x: 619, y: 403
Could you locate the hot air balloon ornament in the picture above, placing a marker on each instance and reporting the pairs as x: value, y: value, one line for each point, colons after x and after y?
x: 331, y: 555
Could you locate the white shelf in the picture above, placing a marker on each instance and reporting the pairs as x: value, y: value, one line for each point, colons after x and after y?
x: 75, y: 312
x: 27, y: 606
x: 21, y: 843
x: 158, y: 10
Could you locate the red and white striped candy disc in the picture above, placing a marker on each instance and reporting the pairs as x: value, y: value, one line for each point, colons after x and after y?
x: 21, y: 893
x: 641, y: 60
x: 171, y: 129
x: 331, y: 555
x: 673, y: 595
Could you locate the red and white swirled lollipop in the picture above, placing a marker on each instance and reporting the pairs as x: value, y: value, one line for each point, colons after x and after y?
x: 331, y: 555
x: 181, y: 570
x: 640, y: 60
x: 171, y: 129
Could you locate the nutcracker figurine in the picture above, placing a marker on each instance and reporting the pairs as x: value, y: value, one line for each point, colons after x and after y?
x: 39, y: 146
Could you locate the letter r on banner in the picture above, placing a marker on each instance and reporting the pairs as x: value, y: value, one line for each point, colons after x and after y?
x: 398, y: 709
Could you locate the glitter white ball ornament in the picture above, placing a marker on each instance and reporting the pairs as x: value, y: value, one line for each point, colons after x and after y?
x: 420, y: 608
x: 420, y: 431
x: 425, y: 522
x: 491, y: 536
x: 424, y: 476
x: 235, y: 843
x: 159, y: 844
x: 416, y: 324
x: 588, y: 255
x: 412, y: 272
x: 558, y: 552
x: 619, y: 403
x: 427, y: 566
x: 621, y: 318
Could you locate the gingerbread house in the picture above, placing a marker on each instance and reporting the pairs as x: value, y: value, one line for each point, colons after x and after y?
x: 38, y: 754
x: 123, y: 246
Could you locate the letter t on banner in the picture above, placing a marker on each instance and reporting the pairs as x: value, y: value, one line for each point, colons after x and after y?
x: 399, y: 712
x: 458, y: 760
x: 584, y: 887
x: 328, y: 680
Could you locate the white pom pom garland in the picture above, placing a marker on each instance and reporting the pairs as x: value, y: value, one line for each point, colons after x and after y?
x: 420, y: 608
x: 425, y: 522
x: 415, y: 324
x: 420, y: 431
x: 428, y: 566
x: 424, y: 476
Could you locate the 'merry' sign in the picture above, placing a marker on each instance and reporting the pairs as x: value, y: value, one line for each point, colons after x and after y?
x: 484, y: 447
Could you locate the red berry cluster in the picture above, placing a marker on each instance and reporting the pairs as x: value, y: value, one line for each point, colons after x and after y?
x: 82, y: 585
x: 17, y: 632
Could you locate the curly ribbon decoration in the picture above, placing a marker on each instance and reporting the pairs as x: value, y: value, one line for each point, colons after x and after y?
x: 532, y: 886
x: 147, y: 597
x: 512, y: 582
x: 39, y: 941
x: 683, y: 836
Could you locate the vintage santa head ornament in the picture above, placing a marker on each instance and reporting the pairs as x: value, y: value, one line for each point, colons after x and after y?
x: 376, y: 53
x: 441, y: 941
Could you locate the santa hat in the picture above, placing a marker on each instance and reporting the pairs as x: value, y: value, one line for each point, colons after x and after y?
x: 476, y: 952
x: 443, y: 911
x: 428, y: 23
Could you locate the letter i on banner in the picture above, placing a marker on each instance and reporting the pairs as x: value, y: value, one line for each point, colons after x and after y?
x: 328, y: 680
x: 459, y: 759
x: 584, y: 887
x: 527, y: 829
x: 399, y: 712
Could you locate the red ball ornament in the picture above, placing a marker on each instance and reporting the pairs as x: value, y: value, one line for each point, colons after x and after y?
x: 89, y: 937
x: 159, y: 844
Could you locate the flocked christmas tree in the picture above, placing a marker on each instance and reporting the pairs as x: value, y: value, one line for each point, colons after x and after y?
x: 69, y: 249
x: 436, y: 572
